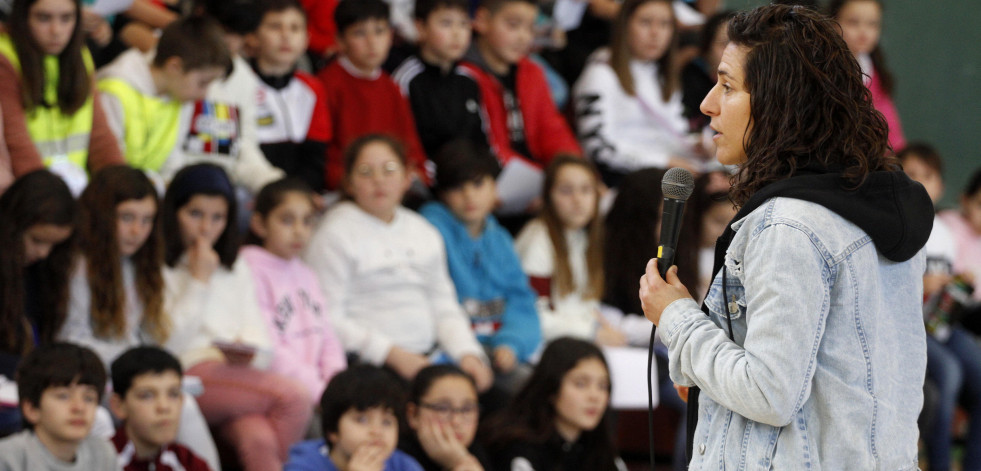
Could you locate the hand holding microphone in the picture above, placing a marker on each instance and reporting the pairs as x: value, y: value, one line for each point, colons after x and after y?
x: 660, y: 286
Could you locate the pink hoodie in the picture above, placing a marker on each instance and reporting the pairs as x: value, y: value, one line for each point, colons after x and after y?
x: 305, y: 346
x: 883, y: 103
x: 968, y: 243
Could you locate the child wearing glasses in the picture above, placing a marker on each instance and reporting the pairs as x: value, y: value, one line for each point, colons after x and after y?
x: 384, y: 274
x: 442, y: 414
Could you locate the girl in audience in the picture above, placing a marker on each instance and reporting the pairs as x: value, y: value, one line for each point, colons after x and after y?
x: 700, y: 75
x: 304, y: 344
x: 628, y: 99
x: 442, y: 415
x: 116, y: 287
x: 558, y: 421
x: 861, y: 27
x: 383, y: 270
x: 46, y: 93
x: 219, y: 332
x: 37, y: 218
x: 562, y: 253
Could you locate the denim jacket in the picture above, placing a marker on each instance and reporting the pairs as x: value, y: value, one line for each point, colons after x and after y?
x: 827, y: 364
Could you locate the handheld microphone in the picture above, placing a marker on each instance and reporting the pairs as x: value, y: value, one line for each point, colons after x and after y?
x: 676, y: 185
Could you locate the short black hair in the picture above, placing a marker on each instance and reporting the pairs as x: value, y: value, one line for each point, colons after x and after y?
x: 461, y: 161
x: 138, y: 361
x: 56, y: 365
x: 276, y: 6
x: 235, y: 16
x: 360, y: 387
x: 349, y: 12
x: 424, y: 8
x: 494, y: 5
x: 974, y: 184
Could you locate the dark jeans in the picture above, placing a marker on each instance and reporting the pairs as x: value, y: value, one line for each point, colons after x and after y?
x: 955, y: 367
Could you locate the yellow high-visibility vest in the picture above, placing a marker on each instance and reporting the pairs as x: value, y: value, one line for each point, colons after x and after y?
x: 59, y: 137
x: 150, y: 124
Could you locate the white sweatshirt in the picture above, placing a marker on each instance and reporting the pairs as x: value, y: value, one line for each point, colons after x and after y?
x: 387, y: 284
x: 224, y: 309
x: 624, y: 132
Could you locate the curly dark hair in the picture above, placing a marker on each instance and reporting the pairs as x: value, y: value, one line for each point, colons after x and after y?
x: 808, y: 104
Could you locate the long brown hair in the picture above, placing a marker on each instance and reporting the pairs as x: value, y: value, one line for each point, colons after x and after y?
x: 562, y: 275
x: 530, y: 418
x: 808, y: 104
x: 100, y: 246
x: 35, y: 198
x: 74, y: 80
x: 620, y: 57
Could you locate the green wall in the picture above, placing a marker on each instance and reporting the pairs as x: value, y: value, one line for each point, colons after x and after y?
x: 934, y: 51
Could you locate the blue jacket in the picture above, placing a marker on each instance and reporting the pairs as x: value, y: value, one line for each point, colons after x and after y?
x: 311, y: 455
x: 826, y: 366
x: 490, y: 283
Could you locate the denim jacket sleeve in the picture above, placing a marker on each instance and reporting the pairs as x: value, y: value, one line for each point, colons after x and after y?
x: 778, y: 286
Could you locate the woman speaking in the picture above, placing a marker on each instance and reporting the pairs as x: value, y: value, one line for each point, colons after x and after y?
x: 810, y: 349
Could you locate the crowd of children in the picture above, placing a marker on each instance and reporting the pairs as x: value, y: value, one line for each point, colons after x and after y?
x: 339, y: 234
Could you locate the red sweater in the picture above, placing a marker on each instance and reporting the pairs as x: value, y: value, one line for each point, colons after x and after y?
x: 546, y: 132
x: 359, y: 106
x: 320, y: 24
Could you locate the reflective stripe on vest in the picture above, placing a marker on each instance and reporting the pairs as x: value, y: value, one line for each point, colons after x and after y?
x: 150, y: 124
x: 57, y: 136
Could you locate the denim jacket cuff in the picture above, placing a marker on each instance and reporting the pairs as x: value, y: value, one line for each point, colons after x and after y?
x: 676, y: 314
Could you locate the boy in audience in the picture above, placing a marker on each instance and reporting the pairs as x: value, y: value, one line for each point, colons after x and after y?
x: 445, y: 99
x: 147, y: 398
x: 223, y: 126
x: 360, y: 412
x: 292, y: 118
x: 361, y: 97
x: 525, y: 126
x: 59, y: 387
x: 489, y: 280
x: 142, y: 94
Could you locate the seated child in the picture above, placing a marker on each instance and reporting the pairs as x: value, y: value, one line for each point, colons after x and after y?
x: 59, y: 387
x: 442, y: 415
x: 223, y: 124
x: 485, y: 269
x: 291, y: 110
x: 559, y: 420
x: 360, y: 412
x: 524, y: 122
x: 305, y: 346
x: 361, y: 97
x: 444, y: 97
x: 562, y: 252
x: 147, y: 398
x: 142, y: 94
x: 383, y: 271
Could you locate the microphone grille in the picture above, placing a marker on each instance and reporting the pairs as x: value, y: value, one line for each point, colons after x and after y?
x: 677, y: 183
